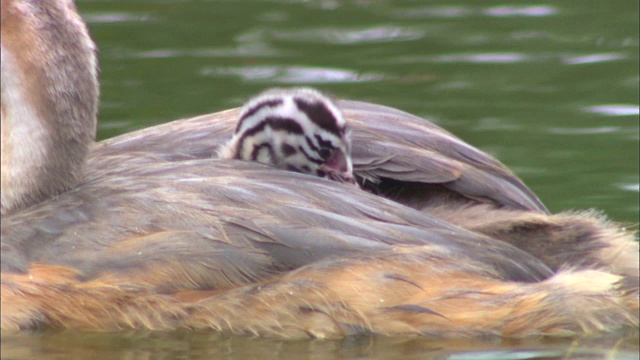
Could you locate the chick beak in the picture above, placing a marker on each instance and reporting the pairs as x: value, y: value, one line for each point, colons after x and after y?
x: 338, y: 168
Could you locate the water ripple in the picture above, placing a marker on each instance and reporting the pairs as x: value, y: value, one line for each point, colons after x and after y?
x: 512, y: 57
x: 109, y: 18
x: 592, y: 58
x: 584, y: 131
x: 435, y: 11
x: 466, y: 11
x: 496, y: 124
x: 493, y: 58
x: 615, y: 109
x: 293, y: 74
x: 540, y: 10
x: 635, y: 187
x: 244, y: 50
x: 370, y: 35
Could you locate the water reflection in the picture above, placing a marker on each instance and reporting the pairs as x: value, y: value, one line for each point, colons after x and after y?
x: 174, y: 345
x: 532, y: 10
x: 293, y: 74
x: 345, y: 36
x: 634, y: 187
x: 513, y: 57
x: 492, y: 58
x: 108, y: 18
x: 466, y: 11
x: 583, y: 131
x: 592, y: 58
x: 615, y: 110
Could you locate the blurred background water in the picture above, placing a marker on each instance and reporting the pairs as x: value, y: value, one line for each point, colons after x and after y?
x: 549, y: 88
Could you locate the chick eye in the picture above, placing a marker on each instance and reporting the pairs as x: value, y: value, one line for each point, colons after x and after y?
x: 325, y: 153
x: 288, y: 150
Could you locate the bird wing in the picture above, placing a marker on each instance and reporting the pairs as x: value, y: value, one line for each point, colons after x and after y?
x: 212, y: 224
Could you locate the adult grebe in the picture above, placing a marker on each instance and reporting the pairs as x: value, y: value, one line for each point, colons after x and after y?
x: 158, y: 235
x: 43, y: 92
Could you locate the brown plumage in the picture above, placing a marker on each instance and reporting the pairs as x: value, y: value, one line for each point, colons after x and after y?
x: 411, y: 161
x: 160, y: 235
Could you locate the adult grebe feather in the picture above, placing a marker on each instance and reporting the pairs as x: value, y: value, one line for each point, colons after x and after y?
x: 158, y: 235
x: 49, y: 101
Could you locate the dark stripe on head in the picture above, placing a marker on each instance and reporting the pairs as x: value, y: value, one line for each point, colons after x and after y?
x: 286, y: 124
x: 323, y: 142
x: 312, y: 159
x: 275, y: 123
x: 257, y: 107
x: 319, y: 115
x: 311, y: 144
x: 256, y: 151
x: 287, y: 149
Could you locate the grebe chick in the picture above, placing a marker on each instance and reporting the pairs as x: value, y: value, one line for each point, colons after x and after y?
x: 296, y: 129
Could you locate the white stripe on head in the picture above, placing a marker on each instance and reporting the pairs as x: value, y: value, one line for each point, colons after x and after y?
x: 296, y: 129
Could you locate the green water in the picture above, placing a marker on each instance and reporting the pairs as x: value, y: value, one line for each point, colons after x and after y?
x: 549, y: 88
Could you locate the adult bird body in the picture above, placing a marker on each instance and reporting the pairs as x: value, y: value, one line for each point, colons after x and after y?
x: 154, y: 232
